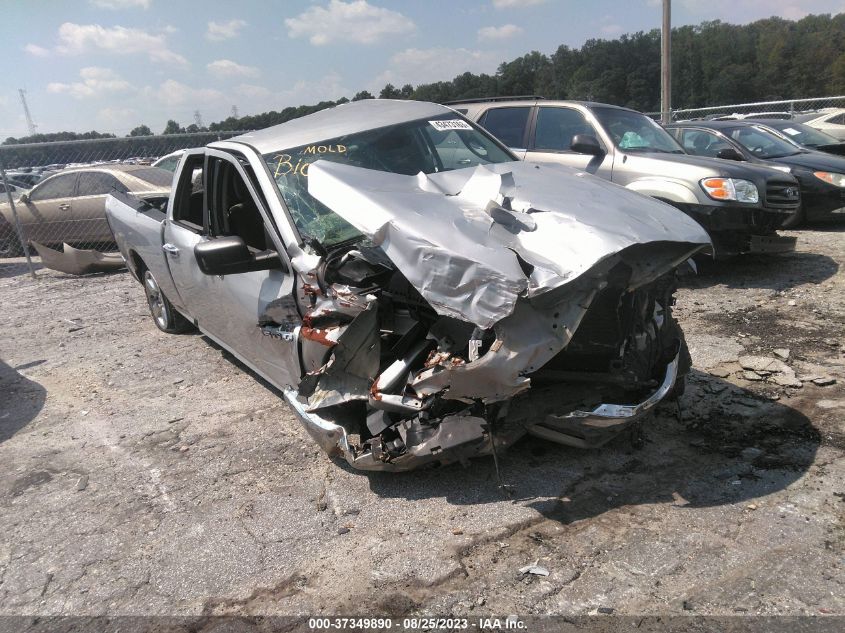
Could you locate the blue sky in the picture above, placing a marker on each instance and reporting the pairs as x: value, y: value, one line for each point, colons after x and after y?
x: 110, y: 65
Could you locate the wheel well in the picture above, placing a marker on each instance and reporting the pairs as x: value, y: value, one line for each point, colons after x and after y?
x: 138, y: 265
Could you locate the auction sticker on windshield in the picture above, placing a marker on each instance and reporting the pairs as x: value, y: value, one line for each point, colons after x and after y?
x: 450, y: 124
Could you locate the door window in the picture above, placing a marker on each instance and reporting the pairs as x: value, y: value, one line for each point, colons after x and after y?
x: 97, y: 183
x: 188, y: 207
x: 702, y: 143
x: 233, y: 210
x: 557, y: 126
x: 60, y: 186
x: 507, y: 124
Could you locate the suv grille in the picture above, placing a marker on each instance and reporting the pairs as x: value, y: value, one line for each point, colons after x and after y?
x: 782, y: 195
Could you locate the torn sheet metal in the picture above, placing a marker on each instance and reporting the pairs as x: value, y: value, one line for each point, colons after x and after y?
x: 464, y: 261
x: 76, y: 261
x: 352, y: 367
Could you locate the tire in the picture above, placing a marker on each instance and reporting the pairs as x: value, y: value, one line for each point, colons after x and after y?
x: 794, y: 220
x: 165, y: 316
x: 10, y: 246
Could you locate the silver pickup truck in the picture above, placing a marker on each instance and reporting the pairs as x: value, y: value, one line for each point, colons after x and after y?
x: 415, y: 304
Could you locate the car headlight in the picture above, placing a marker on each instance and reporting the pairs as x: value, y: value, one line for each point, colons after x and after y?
x: 831, y: 178
x: 731, y: 189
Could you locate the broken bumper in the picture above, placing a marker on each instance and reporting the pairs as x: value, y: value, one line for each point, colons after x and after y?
x: 740, y: 230
x: 459, y: 437
x: 589, y: 429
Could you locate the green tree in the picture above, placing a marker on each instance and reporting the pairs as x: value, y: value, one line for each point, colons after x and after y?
x: 141, y: 130
x: 389, y: 92
x: 362, y: 95
x: 173, y: 128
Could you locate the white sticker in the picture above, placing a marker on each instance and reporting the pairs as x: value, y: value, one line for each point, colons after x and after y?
x: 451, y: 124
x: 791, y: 131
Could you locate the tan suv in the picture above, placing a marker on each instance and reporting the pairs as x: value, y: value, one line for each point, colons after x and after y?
x: 740, y: 205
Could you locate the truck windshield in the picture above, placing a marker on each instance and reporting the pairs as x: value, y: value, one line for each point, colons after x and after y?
x: 434, y: 144
x: 635, y: 132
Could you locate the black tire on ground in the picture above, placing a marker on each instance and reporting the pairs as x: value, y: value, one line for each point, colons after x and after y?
x: 794, y: 220
x: 165, y: 316
x: 10, y: 246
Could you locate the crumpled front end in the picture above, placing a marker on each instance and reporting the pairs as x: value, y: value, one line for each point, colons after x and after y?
x: 484, y: 304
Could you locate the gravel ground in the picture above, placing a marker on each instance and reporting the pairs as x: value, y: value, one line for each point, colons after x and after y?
x: 142, y: 473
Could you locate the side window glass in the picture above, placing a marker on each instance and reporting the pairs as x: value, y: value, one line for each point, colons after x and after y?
x: 188, y: 203
x: 233, y: 210
x: 99, y: 184
x: 837, y: 120
x: 701, y: 143
x: 507, y: 124
x: 59, y: 187
x: 557, y: 126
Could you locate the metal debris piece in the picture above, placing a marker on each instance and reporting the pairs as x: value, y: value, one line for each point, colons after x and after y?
x: 534, y: 569
x: 74, y: 261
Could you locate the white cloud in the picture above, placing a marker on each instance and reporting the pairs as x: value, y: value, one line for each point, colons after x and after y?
x: 75, y: 39
x: 121, y: 4
x: 96, y: 82
x: 219, y: 31
x: 499, y: 32
x: 172, y: 92
x: 515, y: 4
x: 357, y: 21
x: 228, y: 68
x: 418, y: 66
x: 36, y: 51
x: 611, y: 29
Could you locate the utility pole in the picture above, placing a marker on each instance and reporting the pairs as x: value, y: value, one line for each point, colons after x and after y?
x: 666, y: 63
x: 29, y: 122
x: 235, y: 112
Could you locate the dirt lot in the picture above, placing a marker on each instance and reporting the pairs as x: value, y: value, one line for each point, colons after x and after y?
x: 142, y: 473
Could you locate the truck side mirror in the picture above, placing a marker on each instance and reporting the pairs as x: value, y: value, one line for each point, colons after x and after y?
x: 24, y: 198
x: 586, y: 144
x: 729, y: 153
x: 230, y: 256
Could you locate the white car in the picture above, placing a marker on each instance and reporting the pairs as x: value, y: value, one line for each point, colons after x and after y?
x: 829, y: 120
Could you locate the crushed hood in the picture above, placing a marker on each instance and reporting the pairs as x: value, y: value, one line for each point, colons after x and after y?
x: 472, y: 241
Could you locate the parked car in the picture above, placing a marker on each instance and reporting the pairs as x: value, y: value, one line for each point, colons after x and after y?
x: 741, y: 206
x: 830, y: 120
x: 27, y: 179
x: 821, y: 176
x: 70, y: 206
x: 412, y: 288
x: 805, y: 136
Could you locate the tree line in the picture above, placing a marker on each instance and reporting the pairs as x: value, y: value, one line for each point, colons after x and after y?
x: 713, y: 63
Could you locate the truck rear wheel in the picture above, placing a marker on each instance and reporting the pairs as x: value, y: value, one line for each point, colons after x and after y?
x: 165, y: 316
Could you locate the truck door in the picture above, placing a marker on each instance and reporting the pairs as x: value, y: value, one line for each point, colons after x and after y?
x: 186, y: 225
x: 243, y: 310
x: 552, y: 139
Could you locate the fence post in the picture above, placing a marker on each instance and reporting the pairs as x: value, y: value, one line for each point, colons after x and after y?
x: 18, y: 228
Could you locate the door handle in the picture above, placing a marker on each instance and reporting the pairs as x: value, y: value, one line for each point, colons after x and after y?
x: 64, y: 207
x: 465, y: 161
x: 172, y: 249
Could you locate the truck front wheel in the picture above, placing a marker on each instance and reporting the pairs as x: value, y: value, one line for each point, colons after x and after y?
x: 165, y: 316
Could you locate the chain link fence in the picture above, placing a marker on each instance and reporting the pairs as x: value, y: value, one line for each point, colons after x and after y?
x: 787, y: 108
x: 52, y: 195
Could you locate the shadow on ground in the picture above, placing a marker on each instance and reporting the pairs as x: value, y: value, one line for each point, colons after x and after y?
x: 730, y: 446
x: 20, y: 400
x: 775, y: 272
